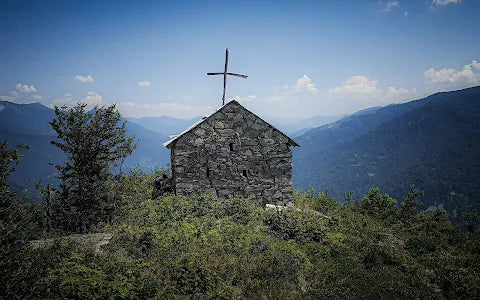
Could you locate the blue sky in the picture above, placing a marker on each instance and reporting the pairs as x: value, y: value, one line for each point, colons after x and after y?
x: 303, y: 58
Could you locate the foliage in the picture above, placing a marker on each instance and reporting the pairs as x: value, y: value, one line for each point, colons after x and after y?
x: 410, y: 204
x: 94, y: 143
x: 320, y: 202
x: 12, y: 219
x: 472, y: 221
x: 378, y: 206
x: 204, y: 247
x: 432, y: 142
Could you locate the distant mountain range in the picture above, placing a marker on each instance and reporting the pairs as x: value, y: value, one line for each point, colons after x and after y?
x: 164, y: 125
x: 168, y: 126
x: 298, y: 127
x: 28, y: 124
x: 433, y: 143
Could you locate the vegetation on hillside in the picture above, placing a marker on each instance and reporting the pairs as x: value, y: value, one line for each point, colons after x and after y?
x: 204, y: 247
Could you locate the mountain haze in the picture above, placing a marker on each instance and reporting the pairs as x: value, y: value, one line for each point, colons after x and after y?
x: 164, y: 125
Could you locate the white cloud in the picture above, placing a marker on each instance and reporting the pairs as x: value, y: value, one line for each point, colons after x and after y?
x: 387, y: 6
x: 445, y: 78
x: 397, y: 95
x: 356, y: 85
x: 445, y: 2
x: 173, y: 109
x: 66, y: 99
x: 475, y: 65
x: 303, y: 89
x: 83, y: 79
x: 303, y: 84
x: 360, y: 92
x: 145, y: 83
x: 245, y: 99
x: 91, y: 99
x: 6, y: 98
x: 127, y: 104
x: 23, y: 93
x: 25, y: 88
x: 273, y: 99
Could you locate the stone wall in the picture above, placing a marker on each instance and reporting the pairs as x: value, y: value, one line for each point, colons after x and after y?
x: 233, y: 152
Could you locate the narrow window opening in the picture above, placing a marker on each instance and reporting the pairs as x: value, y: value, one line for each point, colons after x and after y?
x: 244, y: 173
x: 231, y: 146
x: 208, y: 172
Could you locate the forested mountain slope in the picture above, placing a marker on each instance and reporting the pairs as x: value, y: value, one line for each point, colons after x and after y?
x: 433, y: 143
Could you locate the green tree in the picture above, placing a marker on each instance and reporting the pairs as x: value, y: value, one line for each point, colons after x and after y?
x: 378, y: 206
x: 12, y: 221
x: 95, y: 142
x: 410, y: 204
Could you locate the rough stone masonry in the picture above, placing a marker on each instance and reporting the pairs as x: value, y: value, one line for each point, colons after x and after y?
x: 233, y: 152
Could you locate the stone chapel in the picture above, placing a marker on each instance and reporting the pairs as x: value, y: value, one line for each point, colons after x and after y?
x: 233, y: 152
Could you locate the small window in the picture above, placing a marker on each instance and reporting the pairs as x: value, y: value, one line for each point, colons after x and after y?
x: 231, y: 146
x: 208, y: 172
x: 244, y: 173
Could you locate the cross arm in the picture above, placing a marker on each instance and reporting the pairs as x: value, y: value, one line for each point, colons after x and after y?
x: 238, y: 75
x: 233, y: 74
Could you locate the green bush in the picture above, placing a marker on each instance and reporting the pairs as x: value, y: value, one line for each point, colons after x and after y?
x: 204, y: 247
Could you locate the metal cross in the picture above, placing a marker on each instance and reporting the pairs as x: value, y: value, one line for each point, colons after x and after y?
x: 225, y: 73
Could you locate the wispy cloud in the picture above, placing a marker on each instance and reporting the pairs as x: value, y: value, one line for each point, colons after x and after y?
x: 246, y: 99
x: 361, y: 92
x: 393, y: 94
x: 173, y: 109
x: 303, y: 85
x: 145, y: 83
x: 83, y: 79
x: 388, y: 6
x: 445, y: 2
x: 91, y: 99
x: 356, y: 85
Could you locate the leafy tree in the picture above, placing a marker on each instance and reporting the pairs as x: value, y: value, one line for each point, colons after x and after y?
x: 410, y: 204
x: 472, y: 221
x: 94, y: 142
x: 320, y: 202
x: 12, y: 221
x: 378, y: 206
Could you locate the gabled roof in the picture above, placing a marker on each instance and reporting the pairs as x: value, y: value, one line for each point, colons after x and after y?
x: 171, y: 142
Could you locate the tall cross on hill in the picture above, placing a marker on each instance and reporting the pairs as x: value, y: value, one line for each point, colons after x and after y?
x: 225, y: 73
